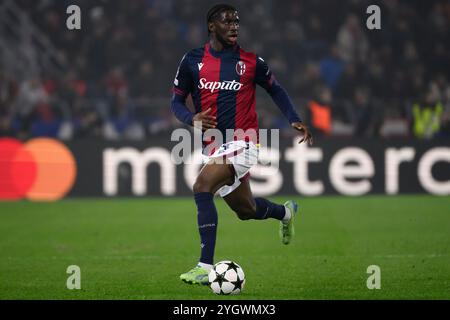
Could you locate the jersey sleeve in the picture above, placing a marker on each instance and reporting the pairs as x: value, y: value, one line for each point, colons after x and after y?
x: 182, y: 84
x: 263, y: 74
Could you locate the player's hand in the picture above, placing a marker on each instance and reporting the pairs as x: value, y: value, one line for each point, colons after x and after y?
x: 203, y: 120
x: 307, y: 135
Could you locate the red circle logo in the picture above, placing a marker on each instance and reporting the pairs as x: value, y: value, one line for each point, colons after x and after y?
x: 42, y: 169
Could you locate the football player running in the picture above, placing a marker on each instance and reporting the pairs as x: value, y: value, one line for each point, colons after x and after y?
x: 221, y: 79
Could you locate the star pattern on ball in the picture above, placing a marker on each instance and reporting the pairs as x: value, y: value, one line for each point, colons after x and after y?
x: 220, y: 278
x: 228, y: 278
x: 232, y: 265
x: 237, y: 284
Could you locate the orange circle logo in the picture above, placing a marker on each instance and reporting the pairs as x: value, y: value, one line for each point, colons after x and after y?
x: 42, y: 169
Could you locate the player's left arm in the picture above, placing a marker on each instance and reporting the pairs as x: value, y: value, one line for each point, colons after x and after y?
x: 265, y: 78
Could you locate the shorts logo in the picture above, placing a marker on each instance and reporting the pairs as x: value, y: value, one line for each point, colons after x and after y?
x: 41, y: 169
x: 240, y: 68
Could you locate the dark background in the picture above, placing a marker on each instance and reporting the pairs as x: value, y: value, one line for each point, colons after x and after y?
x: 109, y: 83
x: 112, y: 79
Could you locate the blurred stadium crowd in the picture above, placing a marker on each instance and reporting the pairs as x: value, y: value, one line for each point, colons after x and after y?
x: 112, y: 79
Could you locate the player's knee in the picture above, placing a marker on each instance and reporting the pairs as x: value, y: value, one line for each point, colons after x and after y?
x: 201, y: 185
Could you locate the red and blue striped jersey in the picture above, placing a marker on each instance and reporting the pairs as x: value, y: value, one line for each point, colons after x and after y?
x: 224, y: 81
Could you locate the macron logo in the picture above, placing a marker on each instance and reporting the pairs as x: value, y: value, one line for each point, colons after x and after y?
x: 200, y: 66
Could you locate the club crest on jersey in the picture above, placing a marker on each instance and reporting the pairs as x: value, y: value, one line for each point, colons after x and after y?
x: 240, y: 68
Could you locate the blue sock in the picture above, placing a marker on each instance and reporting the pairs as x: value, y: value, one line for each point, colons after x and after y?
x: 266, y: 209
x: 207, y: 225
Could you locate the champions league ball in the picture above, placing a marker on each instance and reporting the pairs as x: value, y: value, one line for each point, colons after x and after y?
x: 226, y: 277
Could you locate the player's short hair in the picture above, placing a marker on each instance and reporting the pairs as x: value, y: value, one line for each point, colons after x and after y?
x: 216, y: 10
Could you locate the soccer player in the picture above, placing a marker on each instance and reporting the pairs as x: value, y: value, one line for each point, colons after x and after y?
x: 221, y: 78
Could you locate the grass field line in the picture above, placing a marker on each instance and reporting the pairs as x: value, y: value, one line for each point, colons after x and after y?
x: 153, y: 257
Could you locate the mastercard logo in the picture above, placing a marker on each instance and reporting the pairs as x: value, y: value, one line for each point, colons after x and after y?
x: 41, y: 169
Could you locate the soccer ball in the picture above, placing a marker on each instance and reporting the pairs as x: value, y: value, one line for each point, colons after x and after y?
x: 226, y: 277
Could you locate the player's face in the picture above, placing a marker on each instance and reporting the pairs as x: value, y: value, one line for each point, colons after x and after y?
x: 226, y: 27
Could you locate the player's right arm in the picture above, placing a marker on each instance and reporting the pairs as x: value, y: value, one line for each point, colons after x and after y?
x: 183, y: 84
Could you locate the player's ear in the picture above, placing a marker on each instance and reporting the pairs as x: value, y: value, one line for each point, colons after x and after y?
x: 211, y: 27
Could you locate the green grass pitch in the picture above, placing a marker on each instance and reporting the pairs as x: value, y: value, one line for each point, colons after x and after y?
x: 136, y: 249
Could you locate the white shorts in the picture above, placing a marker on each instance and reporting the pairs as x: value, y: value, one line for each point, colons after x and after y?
x: 242, y: 155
